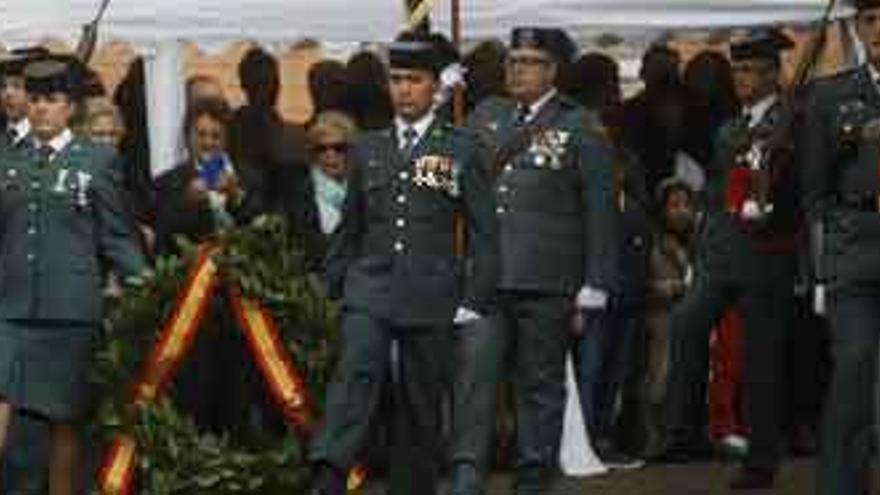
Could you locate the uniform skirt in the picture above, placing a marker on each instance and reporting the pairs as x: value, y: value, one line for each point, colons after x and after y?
x: 45, y: 365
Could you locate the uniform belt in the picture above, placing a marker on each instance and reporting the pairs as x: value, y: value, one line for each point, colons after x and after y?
x: 866, y: 202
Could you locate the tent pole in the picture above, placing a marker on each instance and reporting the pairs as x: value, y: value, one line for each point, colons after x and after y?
x: 458, y: 116
x: 458, y: 95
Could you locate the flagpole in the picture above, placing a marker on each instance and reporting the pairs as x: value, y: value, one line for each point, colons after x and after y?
x: 458, y: 95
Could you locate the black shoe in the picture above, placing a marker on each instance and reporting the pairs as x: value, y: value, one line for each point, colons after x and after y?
x: 683, y: 453
x: 616, y: 459
x: 753, y: 479
x: 329, y: 480
x: 804, y: 442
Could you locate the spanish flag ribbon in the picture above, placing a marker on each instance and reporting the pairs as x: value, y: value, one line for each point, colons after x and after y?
x: 117, y: 473
x: 286, y: 383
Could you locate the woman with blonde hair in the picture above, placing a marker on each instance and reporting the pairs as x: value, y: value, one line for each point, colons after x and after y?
x: 329, y: 138
x: 102, y: 122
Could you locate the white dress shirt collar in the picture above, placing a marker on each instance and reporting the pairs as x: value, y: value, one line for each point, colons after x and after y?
x: 758, y: 111
x: 58, y: 143
x: 420, y: 126
x: 536, y: 107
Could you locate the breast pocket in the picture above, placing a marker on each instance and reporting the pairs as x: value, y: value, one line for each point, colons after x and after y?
x: 854, y: 122
x: 376, y: 183
x: 65, y: 198
x: 11, y: 191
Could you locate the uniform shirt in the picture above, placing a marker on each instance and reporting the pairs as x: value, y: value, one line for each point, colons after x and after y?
x: 554, y: 196
x: 393, y: 255
x: 536, y: 107
x: 58, y: 143
x: 840, y: 157
x: 63, y: 222
x: 420, y: 126
x: 758, y: 111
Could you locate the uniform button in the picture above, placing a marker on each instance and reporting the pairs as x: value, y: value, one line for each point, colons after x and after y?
x: 398, y: 246
x: 32, y: 206
x: 404, y: 175
x: 502, y: 189
x: 500, y: 210
x: 508, y: 168
x: 35, y: 185
x: 32, y: 231
x: 401, y: 199
x: 400, y: 222
x: 31, y: 257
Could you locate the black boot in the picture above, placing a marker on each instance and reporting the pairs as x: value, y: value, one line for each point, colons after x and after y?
x: 753, y: 479
x: 328, y: 480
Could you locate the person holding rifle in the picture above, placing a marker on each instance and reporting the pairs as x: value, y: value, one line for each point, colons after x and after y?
x: 841, y: 180
x: 746, y: 256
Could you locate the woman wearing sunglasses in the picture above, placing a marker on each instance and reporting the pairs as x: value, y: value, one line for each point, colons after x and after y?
x: 329, y: 139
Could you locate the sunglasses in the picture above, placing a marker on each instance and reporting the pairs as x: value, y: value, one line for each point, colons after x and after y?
x: 336, y: 147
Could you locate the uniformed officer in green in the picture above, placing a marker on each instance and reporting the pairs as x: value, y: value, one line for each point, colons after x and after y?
x: 746, y: 256
x: 62, y: 218
x: 26, y: 463
x: 394, y: 264
x: 841, y: 189
x: 556, y: 216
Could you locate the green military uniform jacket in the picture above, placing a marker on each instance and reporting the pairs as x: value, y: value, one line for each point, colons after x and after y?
x: 59, y: 222
x: 728, y: 247
x: 555, y: 197
x: 841, y: 176
x: 393, y: 255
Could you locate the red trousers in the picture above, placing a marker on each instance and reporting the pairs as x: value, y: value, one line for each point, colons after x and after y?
x: 725, y: 378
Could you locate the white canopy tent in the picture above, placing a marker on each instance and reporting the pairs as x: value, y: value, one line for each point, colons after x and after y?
x: 157, y: 28
x: 205, y: 22
x: 491, y: 18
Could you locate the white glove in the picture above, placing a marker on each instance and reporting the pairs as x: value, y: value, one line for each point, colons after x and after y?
x: 689, y: 276
x: 750, y: 210
x: 820, y: 304
x: 464, y: 316
x: 591, y: 298
x: 453, y: 75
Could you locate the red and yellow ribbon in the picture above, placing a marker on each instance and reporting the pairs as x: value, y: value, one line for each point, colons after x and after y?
x: 286, y: 383
x: 117, y: 473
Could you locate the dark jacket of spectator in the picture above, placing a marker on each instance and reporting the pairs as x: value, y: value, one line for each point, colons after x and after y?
x: 177, y: 216
x: 368, y: 100
x: 653, y: 120
x: 711, y: 101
